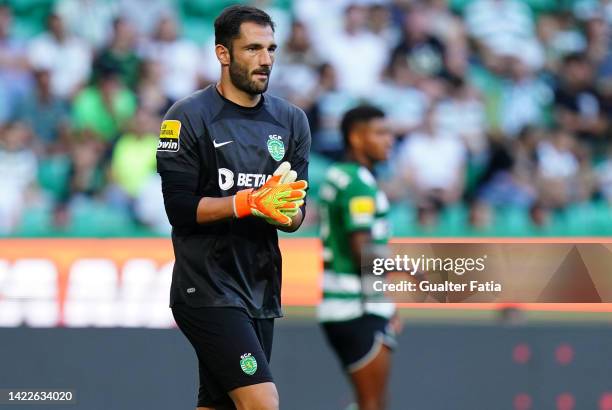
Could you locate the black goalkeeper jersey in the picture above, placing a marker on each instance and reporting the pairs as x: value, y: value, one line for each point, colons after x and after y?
x: 226, y: 148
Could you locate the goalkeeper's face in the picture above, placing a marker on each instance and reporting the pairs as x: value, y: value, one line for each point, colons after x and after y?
x: 252, y: 57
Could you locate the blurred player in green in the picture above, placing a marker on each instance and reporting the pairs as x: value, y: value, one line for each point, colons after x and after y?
x: 353, y: 217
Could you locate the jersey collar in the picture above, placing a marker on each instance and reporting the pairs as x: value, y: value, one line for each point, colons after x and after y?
x: 238, y: 107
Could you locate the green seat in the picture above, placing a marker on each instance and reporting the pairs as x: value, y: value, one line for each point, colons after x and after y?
x: 30, y: 16
x: 197, y: 29
x: 90, y: 218
x: 453, y: 221
x: 537, y: 6
x: 208, y: 10
x: 53, y: 174
x: 402, y: 220
x: 578, y: 219
x: 317, y: 168
x: 512, y: 221
x: 600, y: 222
x: 36, y: 221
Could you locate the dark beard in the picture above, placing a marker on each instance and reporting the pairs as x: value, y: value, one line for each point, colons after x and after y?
x: 240, y: 78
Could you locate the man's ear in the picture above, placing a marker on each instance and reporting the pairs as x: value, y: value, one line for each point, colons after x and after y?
x: 356, y: 135
x: 223, y: 54
x: 355, y: 139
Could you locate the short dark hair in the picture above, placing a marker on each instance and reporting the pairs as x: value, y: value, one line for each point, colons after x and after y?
x: 227, y: 24
x: 358, y: 115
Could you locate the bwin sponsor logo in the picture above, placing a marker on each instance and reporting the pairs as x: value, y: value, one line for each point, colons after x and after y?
x: 167, y: 145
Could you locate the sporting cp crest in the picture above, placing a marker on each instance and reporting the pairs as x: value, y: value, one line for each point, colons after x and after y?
x: 276, y: 148
x: 248, y: 364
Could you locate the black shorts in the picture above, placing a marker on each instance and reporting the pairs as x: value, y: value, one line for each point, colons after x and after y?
x: 233, y: 350
x: 358, y: 341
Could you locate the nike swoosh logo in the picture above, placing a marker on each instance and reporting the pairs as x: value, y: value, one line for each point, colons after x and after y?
x: 220, y: 144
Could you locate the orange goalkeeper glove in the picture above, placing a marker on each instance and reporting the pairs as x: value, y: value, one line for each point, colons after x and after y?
x: 277, y: 200
x: 289, y: 209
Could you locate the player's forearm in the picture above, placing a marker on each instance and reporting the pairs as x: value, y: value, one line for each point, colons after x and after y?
x: 214, y: 209
x: 185, y: 208
x: 358, y: 240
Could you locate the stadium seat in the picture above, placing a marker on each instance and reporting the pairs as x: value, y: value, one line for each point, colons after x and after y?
x: 197, y: 18
x: 452, y: 220
x: 602, y: 218
x: 317, y: 168
x: 578, y: 218
x: 37, y: 221
x: 90, y: 218
x: 30, y: 16
x: 511, y: 221
x: 53, y: 174
x: 402, y: 220
x: 538, y: 6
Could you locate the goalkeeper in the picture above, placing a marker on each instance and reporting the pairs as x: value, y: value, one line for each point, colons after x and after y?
x: 233, y: 163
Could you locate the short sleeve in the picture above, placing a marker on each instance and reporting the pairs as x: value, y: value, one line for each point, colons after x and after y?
x: 177, y: 148
x: 358, y: 203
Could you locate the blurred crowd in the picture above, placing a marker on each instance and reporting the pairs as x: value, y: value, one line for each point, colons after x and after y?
x: 495, y: 103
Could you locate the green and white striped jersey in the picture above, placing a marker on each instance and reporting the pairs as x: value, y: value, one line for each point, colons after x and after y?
x: 350, y: 201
